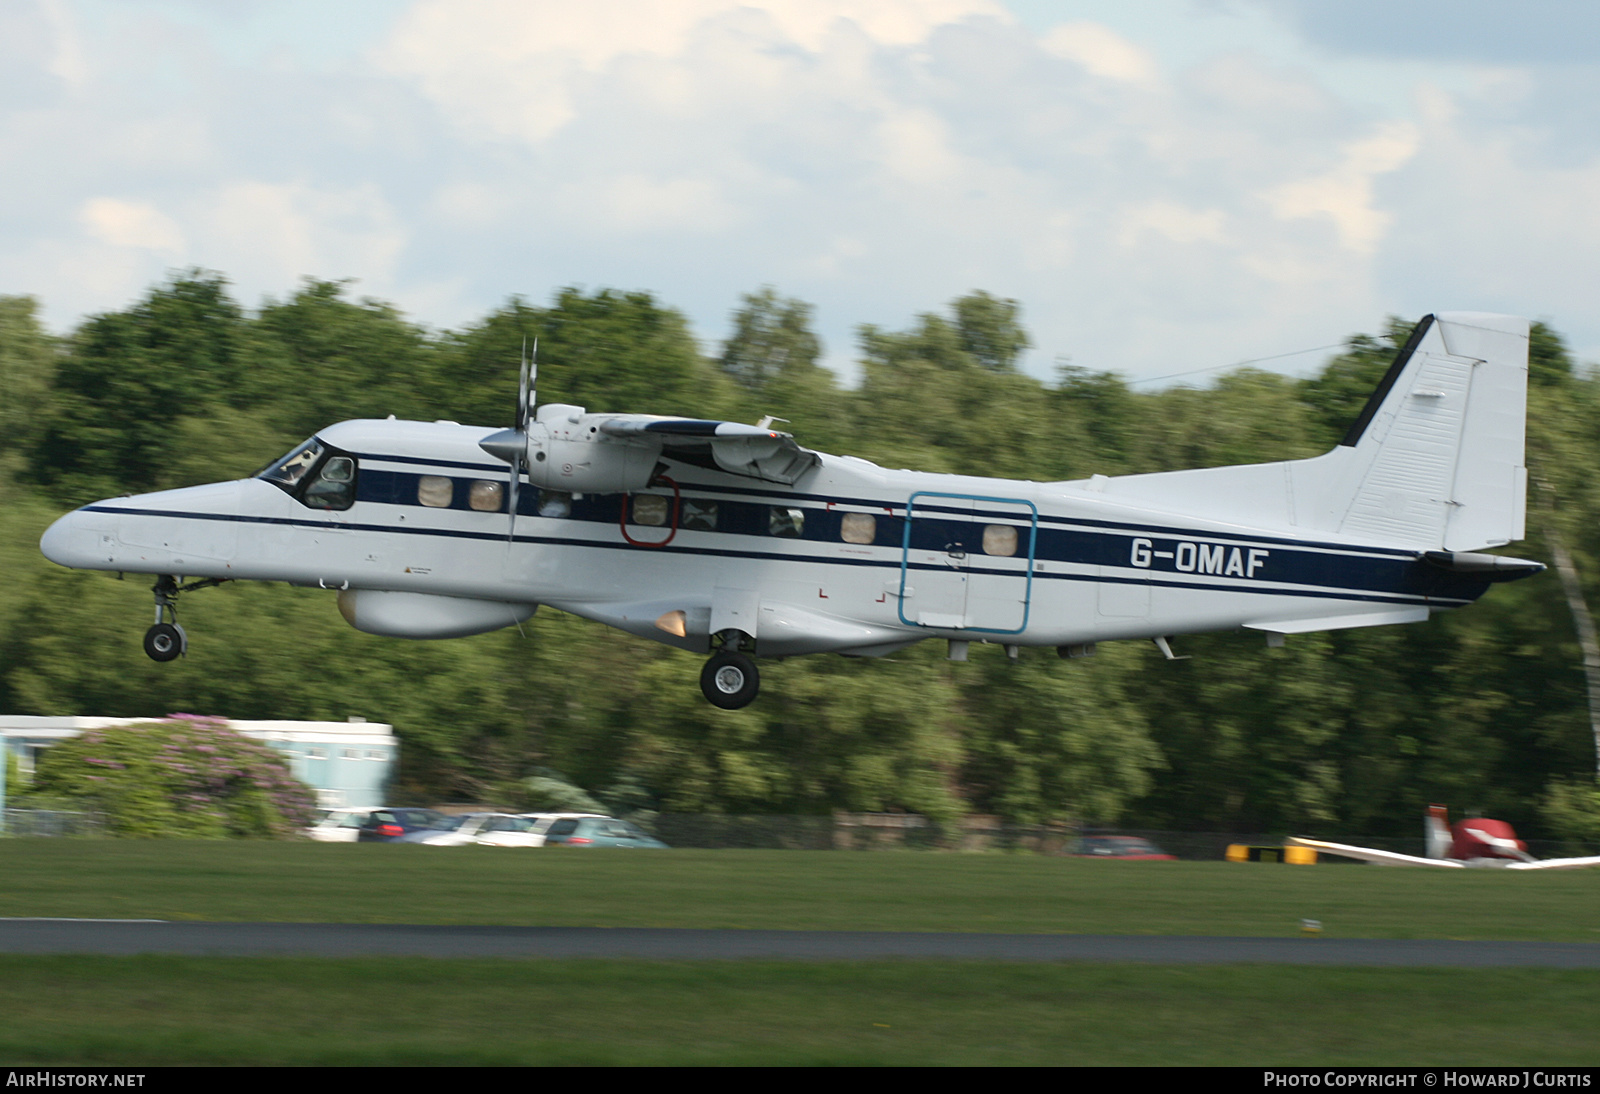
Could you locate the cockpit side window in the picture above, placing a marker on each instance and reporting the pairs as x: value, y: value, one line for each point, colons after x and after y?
x: 334, y: 484
x: 316, y: 475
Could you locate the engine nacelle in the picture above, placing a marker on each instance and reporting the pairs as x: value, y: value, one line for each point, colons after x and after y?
x: 569, y: 453
x: 426, y: 615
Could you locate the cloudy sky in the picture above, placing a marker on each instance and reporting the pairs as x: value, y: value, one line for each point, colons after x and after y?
x: 1165, y: 185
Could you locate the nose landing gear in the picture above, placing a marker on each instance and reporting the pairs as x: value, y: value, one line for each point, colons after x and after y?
x: 730, y: 679
x: 166, y: 641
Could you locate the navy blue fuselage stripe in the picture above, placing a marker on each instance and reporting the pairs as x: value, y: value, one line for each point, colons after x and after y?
x: 1352, y: 567
x: 1351, y: 578
x: 771, y: 496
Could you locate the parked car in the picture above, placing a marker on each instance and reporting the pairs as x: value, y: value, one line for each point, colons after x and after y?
x: 1122, y: 847
x: 483, y: 829
x: 598, y: 832
x: 338, y: 825
x: 386, y: 825
x: 543, y: 821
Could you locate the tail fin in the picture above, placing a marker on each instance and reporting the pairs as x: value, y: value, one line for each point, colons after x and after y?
x: 1434, y: 462
x: 1436, y: 458
x: 1436, y: 828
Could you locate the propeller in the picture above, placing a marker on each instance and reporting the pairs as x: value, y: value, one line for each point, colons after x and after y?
x: 511, y: 444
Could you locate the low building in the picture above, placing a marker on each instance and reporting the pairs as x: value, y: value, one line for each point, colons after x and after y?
x: 346, y: 763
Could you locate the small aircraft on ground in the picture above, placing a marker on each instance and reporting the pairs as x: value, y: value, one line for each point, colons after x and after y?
x: 1478, y: 841
x: 733, y: 540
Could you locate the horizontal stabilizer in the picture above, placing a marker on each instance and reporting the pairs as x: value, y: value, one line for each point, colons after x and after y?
x: 1342, y: 622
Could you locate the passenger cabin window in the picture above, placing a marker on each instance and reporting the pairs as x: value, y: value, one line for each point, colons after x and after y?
x: 698, y: 516
x: 1000, y: 539
x: 555, y: 503
x: 650, y: 509
x: 786, y: 522
x: 435, y: 491
x: 858, y: 528
x: 485, y: 496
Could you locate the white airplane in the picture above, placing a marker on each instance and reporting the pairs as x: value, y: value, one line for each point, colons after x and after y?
x: 1475, y: 842
x: 733, y: 540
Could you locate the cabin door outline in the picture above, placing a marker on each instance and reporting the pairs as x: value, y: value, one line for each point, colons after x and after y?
x: 946, y: 578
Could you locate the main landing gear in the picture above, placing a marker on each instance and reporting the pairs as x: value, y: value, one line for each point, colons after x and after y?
x: 730, y: 679
x: 166, y: 641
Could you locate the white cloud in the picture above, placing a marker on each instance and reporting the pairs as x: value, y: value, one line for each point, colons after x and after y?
x: 1173, y: 221
x: 1345, y: 194
x: 1102, y: 51
x: 273, y: 234
x: 509, y: 67
x: 131, y: 224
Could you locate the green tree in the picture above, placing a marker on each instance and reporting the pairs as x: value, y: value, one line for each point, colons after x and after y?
x: 128, y: 376
x: 991, y: 330
x: 28, y: 357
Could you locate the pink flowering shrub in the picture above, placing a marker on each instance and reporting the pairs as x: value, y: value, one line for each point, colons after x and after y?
x: 188, y: 776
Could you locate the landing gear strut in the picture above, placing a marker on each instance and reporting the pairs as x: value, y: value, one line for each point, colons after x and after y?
x: 166, y: 641
x: 730, y: 679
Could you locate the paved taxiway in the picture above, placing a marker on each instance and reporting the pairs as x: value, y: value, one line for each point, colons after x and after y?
x: 88, y: 936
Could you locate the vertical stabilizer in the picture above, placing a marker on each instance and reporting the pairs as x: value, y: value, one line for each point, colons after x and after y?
x: 1436, y: 458
x: 1436, y: 829
x: 1434, y: 462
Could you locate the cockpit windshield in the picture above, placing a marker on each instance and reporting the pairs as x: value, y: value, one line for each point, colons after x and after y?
x: 316, y: 475
x: 288, y: 471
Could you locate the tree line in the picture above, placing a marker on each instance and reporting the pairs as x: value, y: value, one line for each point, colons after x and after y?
x: 1348, y: 732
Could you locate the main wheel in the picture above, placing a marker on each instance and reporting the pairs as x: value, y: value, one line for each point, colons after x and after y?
x: 730, y: 681
x: 165, y: 642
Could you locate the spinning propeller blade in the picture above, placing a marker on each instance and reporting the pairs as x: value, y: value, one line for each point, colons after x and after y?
x: 520, y: 454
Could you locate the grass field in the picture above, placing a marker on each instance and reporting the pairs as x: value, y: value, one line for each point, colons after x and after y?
x: 399, y: 883
x: 166, y: 1010
x: 172, y: 1010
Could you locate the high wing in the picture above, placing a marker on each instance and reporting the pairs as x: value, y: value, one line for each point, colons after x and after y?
x: 1385, y: 858
x: 733, y: 447
x: 1556, y: 864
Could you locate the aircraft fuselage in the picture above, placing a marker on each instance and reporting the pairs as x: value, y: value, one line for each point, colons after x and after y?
x: 855, y: 559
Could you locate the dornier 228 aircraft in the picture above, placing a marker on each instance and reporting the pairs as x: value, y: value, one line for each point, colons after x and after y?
x: 734, y: 540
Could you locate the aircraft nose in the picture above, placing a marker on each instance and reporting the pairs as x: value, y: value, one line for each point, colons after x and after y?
x: 78, y: 540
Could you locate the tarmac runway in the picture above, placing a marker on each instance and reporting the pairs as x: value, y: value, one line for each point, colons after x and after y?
x: 123, y: 937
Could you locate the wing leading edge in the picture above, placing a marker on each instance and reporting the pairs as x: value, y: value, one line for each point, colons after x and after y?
x: 1368, y: 854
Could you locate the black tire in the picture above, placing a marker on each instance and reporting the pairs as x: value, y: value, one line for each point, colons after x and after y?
x: 165, y: 642
x: 730, y: 681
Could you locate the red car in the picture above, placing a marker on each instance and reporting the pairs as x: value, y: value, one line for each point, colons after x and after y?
x: 1122, y: 847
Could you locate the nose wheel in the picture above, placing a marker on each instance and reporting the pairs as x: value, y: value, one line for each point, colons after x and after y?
x: 730, y: 680
x: 165, y: 640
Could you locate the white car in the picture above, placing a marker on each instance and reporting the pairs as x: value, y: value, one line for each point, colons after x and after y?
x: 483, y: 829
x: 339, y: 825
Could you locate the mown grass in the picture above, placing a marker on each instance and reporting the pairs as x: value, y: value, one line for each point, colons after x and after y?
x: 390, y: 883
x: 181, y: 1010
